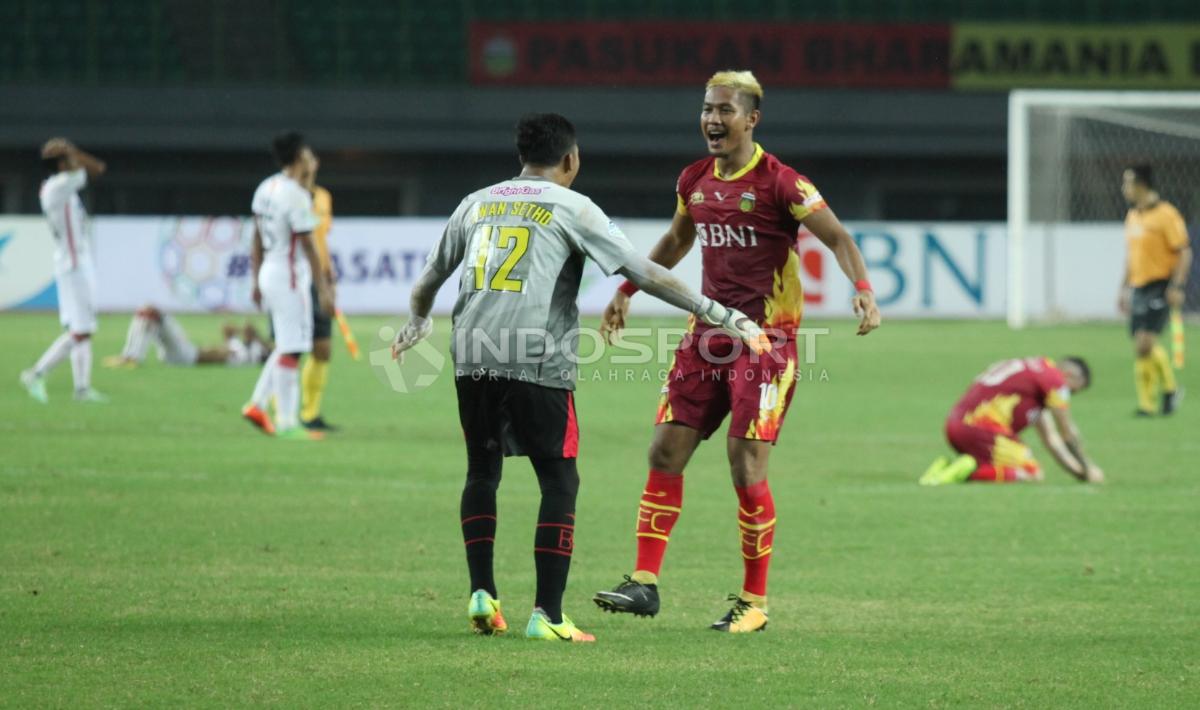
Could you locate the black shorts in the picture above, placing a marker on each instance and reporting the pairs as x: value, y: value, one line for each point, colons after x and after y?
x: 1148, y: 307
x: 517, y: 418
x: 322, y: 324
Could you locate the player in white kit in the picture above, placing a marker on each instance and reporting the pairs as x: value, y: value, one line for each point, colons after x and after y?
x: 69, y: 170
x: 285, y: 266
x: 150, y: 326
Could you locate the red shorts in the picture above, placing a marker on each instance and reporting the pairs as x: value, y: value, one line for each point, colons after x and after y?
x: 998, y: 454
x: 715, y: 375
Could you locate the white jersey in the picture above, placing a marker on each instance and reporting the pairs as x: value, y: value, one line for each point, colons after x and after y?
x: 282, y: 211
x: 68, y: 219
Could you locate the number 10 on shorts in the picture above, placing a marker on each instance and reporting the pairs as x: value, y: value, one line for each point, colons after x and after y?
x: 768, y: 395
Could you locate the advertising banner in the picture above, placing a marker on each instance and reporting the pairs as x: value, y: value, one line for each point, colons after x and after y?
x: 687, y: 53
x: 965, y: 55
x: 948, y: 270
x: 1006, y: 56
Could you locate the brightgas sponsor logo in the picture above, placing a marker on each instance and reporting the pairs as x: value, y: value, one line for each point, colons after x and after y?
x: 512, y: 191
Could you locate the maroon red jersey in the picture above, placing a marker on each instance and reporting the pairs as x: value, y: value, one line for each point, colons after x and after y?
x: 1010, y: 394
x: 747, y: 224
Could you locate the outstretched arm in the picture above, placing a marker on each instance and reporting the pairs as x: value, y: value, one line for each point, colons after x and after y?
x: 660, y: 283
x: 669, y: 251
x: 826, y: 227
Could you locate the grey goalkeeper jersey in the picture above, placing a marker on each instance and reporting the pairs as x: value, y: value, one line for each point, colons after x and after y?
x: 522, y: 244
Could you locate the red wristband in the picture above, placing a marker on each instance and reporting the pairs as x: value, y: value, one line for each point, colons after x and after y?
x: 863, y: 285
x: 628, y: 288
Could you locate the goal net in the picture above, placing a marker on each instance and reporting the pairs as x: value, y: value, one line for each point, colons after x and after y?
x: 1066, y: 153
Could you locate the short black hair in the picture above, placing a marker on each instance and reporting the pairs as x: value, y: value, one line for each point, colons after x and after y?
x: 1083, y: 368
x: 51, y: 166
x: 286, y: 147
x: 544, y: 138
x: 1142, y: 174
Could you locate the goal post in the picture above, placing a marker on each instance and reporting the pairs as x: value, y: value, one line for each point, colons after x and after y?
x: 1066, y: 150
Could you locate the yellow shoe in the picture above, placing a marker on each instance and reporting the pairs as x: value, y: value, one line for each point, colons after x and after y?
x: 956, y: 471
x: 540, y: 628
x: 744, y: 617
x: 119, y: 362
x: 484, y: 613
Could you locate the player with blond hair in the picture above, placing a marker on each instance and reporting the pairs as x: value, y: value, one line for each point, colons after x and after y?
x: 744, y: 206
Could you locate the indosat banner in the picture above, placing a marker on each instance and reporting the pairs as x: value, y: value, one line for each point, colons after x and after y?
x: 968, y: 56
x: 197, y: 264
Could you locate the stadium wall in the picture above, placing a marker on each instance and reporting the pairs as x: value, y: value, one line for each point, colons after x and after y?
x: 936, y: 270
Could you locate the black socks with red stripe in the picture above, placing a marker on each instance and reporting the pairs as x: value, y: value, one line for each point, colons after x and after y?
x: 554, y: 540
x: 479, y: 516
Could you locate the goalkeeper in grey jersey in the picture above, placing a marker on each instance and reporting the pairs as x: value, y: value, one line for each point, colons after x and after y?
x: 522, y: 245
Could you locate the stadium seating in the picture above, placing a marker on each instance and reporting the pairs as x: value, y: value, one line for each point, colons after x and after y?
x: 388, y: 42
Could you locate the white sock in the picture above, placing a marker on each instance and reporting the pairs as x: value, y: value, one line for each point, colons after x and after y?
x: 287, y: 396
x: 81, y: 364
x: 137, y: 338
x: 264, y: 388
x: 54, y: 354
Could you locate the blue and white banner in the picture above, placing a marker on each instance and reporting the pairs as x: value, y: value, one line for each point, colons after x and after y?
x: 947, y: 270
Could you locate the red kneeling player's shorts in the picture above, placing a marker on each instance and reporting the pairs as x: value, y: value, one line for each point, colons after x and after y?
x: 715, y: 374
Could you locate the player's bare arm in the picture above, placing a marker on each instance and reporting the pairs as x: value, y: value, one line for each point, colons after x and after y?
x: 324, y: 296
x: 826, y: 227
x: 1175, y: 291
x: 256, y: 259
x: 61, y: 147
x: 1124, y: 293
x: 669, y: 251
x: 662, y: 284
x: 1054, y: 444
x: 1070, y: 439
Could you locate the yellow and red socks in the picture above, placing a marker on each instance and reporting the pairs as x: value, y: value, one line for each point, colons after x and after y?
x: 312, y: 387
x: 658, y: 511
x: 756, y: 522
x: 554, y: 537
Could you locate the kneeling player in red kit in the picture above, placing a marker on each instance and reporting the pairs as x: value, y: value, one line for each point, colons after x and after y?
x: 1010, y: 395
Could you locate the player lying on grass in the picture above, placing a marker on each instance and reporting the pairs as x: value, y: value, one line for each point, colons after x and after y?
x: 522, y: 244
x: 745, y: 207
x: 150, y: 326
x: 985, y: 424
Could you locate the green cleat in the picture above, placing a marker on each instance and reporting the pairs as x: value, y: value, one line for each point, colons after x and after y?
x: 540, y: 628
x: 35, y: 385
x: 930, y: 476
x: 90, y: 396
x: 483, y: 611
x: 957, y: 471
x: 298, y: 433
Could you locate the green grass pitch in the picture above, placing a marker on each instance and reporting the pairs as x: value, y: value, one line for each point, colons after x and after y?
x: 157, y: 551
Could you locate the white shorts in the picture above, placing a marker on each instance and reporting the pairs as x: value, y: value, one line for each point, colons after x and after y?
x: 174, y: 346
x: 291, y: 309
x: 77, y: 299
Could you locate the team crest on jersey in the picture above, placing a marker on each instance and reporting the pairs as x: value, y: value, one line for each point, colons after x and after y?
x: 697, y: 197
x: 746, y: 203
